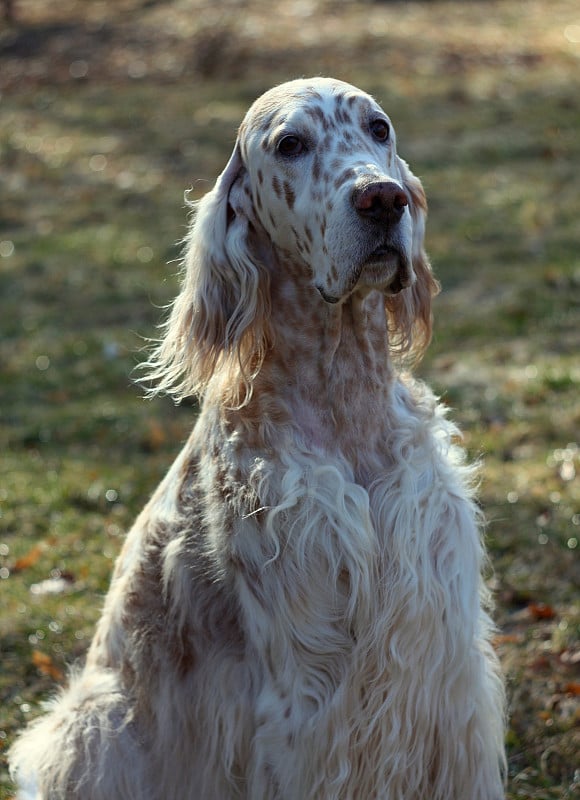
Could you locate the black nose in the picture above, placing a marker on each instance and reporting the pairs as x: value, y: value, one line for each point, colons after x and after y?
x: 383, y: 202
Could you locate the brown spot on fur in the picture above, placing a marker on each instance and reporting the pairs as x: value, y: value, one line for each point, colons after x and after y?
x: 187, y: 477
x: 289, y: 195
x: 277, y: 186
x: 344, y: 176
x: 181, y: 653
x: 342, y: 117
x: 260, y: 177
x: 316, y: 168
x: 308, y: 233
x: 266, y: 122
x: 316, y: 113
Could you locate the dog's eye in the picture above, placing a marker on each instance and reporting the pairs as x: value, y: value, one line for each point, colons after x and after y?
x: 290, y: 146
x: 380, y: 129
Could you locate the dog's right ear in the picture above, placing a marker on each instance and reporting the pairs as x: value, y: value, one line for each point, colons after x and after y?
x: 217, y: 322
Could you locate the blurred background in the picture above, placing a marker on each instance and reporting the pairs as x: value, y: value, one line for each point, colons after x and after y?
x: 109, y: 112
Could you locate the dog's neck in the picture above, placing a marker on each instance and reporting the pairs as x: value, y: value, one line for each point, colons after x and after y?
x: 328, y: 371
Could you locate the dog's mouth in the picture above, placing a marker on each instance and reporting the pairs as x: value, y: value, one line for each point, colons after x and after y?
x: 383, y: 256
x: 386, y: 268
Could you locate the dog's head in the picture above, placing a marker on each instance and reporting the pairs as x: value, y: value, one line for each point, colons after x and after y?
x: 315, y: 180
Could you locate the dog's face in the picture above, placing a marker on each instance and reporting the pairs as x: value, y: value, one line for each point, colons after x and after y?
x: 328, y: 188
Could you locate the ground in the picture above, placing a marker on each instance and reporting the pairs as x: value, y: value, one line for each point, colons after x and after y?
x: 108, y: 113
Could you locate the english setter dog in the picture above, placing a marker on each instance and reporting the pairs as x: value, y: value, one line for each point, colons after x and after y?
x: 299, y: 612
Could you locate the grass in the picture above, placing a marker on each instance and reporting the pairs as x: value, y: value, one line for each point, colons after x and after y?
x: 107, y: 116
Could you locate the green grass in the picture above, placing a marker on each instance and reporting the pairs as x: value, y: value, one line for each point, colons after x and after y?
x: 484, y: 97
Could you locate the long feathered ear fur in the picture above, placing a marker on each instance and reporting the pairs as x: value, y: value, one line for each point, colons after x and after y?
x: 410, y: 310
x: 217, y: 322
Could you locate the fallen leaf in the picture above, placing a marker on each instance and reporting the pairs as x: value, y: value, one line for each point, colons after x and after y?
x: 155, y: 437
x: 541, y: 611
x: 540, y: 663
x: 29, y: 559
x: 508, y: 638
x: 46, y: 666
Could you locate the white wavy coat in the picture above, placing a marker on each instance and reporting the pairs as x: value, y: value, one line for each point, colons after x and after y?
x: 298, y: 613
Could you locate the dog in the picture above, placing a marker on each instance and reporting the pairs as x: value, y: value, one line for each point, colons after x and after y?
x: 299, y: 612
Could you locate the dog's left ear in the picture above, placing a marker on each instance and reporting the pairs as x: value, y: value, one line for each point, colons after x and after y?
x: 410, y: 310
